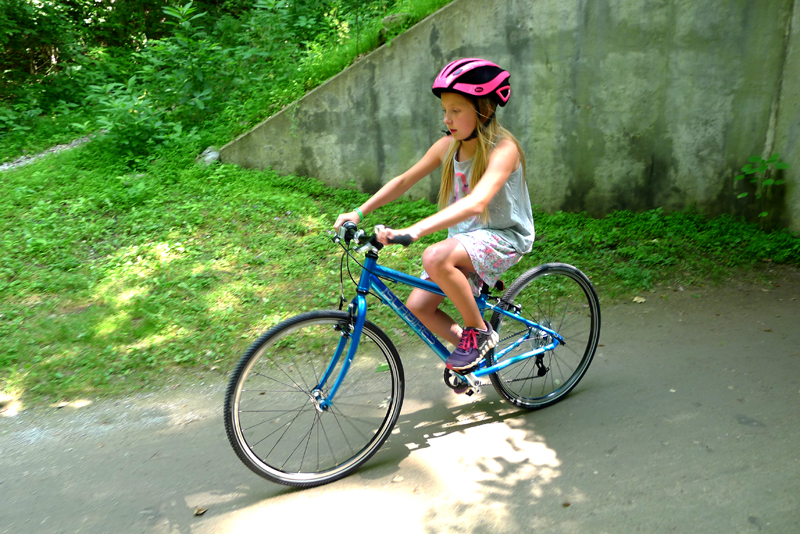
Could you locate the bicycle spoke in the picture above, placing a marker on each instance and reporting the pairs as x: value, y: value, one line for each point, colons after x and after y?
x: 299, y: 443
x: 286, y: 437
x: 560, y: 298
x: 297, y: 388
x: 268, y: 420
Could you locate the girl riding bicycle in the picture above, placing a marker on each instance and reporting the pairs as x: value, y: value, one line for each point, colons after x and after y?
x: 483, y: 202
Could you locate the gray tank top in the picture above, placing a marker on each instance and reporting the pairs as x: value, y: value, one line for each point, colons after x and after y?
x: 510, y: 214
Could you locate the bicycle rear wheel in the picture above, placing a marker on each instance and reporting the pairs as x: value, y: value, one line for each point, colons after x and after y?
x: 273, y: 416
x: 559, y: 297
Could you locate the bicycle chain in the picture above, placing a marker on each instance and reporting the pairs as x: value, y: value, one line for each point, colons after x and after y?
x: 517, y: 379
x: 511, y: 336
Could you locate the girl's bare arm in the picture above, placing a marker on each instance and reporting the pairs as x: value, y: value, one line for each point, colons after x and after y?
x: 400, y: 184
x: 503, y: 160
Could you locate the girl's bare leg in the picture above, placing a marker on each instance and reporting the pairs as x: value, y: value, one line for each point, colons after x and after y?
x: 425, y: 306
x: 446, y: 263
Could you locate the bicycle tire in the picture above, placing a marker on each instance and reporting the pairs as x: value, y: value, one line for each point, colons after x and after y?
x: 271, y: 418
x: 560, y: 297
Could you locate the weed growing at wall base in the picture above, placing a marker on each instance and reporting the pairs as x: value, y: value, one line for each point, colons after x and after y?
x: 761, y: 172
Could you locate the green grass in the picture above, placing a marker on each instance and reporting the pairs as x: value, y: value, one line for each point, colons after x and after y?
x: 111, y: 280
x: 115, y: 278
x: 114, y: 281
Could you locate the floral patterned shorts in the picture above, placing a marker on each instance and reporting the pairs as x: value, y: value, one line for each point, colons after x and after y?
x: 491, y: 256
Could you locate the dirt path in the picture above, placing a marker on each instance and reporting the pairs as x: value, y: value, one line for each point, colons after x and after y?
x: 686, y: 422
x: 25, y: 160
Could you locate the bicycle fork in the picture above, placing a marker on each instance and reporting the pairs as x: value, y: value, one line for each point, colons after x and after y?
x: 349, y: 332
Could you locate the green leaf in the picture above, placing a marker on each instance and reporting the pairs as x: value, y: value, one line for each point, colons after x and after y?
x: 762, y: 168
x: 748, y: 169
x: 768, y: 182
x: 741, y: 195
x: 740, y: 177
x: 779, y: 182
x: 782, y: 165
x: 755, y: 159
x: 763, y: 214
x: 773, y: 158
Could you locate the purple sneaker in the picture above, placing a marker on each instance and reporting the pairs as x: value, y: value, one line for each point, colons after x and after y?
x: 473, y: 347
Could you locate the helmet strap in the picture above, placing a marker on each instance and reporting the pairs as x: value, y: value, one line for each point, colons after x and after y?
x: 474, y: 133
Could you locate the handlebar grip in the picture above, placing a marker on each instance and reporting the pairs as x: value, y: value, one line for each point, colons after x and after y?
x: 404, y: 240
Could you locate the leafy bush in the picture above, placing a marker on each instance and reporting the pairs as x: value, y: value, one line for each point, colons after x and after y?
x: 224, y: 72
x: 131, y: 123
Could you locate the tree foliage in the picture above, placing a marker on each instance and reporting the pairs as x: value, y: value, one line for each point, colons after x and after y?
x: 153, y: 72
x: 39, y: 38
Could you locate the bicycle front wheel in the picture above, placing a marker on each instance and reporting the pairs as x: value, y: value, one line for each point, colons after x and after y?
x: 276, y: 415
x: 561, y: 298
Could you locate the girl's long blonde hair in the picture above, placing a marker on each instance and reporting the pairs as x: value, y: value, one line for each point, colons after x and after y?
x: 488, y: 137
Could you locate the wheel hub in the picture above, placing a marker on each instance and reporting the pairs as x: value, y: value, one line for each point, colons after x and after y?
x: 319, y: 400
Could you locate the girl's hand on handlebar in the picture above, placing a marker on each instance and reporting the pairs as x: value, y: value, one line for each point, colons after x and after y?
x: 387, y: 234
x: 344, y: 217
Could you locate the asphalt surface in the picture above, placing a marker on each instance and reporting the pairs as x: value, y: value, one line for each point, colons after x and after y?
x: 687, y: 421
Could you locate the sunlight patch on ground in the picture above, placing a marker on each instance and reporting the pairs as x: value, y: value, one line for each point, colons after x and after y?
x: 33, y: 300
x: 166, y: 335
x: 142, y: 260
x: 117, y: 294
x: 271, y: 319
x: 370, y: 509
x: 517, y: 463
x: 121, y: 287
x: 62, y: 353
x: 126, y: 296
x: 112, y: 323
x: 166, y: 252
x: 441, y: 484
x: 79, y: 403
x: 10, y: 405
x: 225, y: 298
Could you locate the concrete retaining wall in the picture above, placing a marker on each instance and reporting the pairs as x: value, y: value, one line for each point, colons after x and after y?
x: 619, y: 104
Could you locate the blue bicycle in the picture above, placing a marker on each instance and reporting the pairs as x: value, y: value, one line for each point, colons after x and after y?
x: 318, y: 394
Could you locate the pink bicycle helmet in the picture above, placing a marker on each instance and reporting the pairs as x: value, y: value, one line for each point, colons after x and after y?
x: 475, y: 78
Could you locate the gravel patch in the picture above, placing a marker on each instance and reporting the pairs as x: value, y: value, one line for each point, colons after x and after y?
x: 25, y: 160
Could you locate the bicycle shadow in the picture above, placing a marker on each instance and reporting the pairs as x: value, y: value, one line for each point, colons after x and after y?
x: 419, y: 429
x: 459, y: 451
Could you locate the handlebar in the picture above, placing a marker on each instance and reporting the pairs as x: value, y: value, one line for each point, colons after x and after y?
x: 404, y: 240
x: 349, y: 232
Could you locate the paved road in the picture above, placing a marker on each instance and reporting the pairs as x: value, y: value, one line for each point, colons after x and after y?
x: 686, y: 422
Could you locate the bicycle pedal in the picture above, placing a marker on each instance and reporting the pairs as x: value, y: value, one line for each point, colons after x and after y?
x: 456, y: 383
x: 467, y: 390
x: 464, y: 371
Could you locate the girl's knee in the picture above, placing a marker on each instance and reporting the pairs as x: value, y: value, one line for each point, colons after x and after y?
x: 417, y: 306
x: 434, y: 258
x: 422, y: 304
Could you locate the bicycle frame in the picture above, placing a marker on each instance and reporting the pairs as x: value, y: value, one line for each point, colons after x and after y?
x: 370, y: 279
